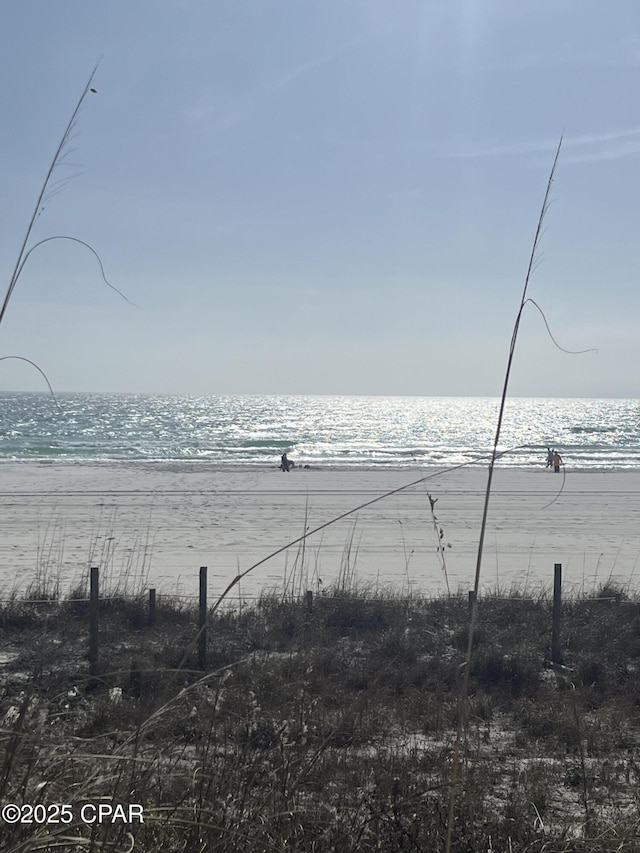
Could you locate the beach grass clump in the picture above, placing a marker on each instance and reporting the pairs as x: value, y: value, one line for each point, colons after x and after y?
x: 516, y: 674
x: 322, y: 727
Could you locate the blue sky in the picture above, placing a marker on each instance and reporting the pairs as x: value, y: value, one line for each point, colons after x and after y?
x: 333, y: 197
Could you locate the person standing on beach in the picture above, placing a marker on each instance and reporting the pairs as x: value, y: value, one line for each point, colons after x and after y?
x: 557, y: 461
x: 284, y: 462
x: 550, y: 454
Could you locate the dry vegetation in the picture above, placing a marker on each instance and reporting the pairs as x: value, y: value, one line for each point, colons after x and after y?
x: 324, y: 730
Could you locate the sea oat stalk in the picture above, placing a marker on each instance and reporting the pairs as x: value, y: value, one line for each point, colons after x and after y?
x: 46, y: 185
x: 49, y: 188
x: 494, y: 455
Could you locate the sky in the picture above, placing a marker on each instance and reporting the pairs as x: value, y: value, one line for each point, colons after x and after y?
x: 329, y: 197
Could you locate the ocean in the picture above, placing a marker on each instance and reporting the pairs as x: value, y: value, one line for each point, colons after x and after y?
x: 250, y: 432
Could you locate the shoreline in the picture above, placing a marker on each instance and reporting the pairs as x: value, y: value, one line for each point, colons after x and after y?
x: 255, y: 467
x: 156, y: 524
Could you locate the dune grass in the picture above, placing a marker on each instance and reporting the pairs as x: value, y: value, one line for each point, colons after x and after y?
x: 325, y: 730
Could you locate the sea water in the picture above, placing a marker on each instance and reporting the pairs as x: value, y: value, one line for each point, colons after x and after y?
x: 319, y: 431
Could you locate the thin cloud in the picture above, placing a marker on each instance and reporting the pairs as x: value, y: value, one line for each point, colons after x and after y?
x: 289, y: 76
x: 616, y: 152
x: 624, y: 53
x: 244, y: 108
x: 577, y: 149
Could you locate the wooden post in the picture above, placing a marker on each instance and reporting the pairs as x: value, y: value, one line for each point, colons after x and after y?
x: 202, y: 620
x: 556, y: 652
x: 309, y: 601
x: 94, y: 602
x: 152, y: 607
x: 135, y: 680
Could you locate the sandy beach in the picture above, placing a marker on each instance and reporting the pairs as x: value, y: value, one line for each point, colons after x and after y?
x: 156, y: 524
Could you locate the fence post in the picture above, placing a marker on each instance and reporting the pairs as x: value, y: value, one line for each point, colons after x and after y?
x: 152, y: 607
x: 202, y: 620
x: 94, y: 602
x: 556, y: 652
x: 472, y: 598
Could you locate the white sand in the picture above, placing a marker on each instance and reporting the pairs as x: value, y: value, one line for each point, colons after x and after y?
x: 154, y: 525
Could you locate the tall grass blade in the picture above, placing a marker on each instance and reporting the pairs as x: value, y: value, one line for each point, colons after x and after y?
x: 483, y: 526
x: 57, y: 158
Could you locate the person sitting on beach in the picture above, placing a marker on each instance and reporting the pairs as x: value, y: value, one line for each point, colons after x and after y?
x: 285, y: 465
x: 557, y: 461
